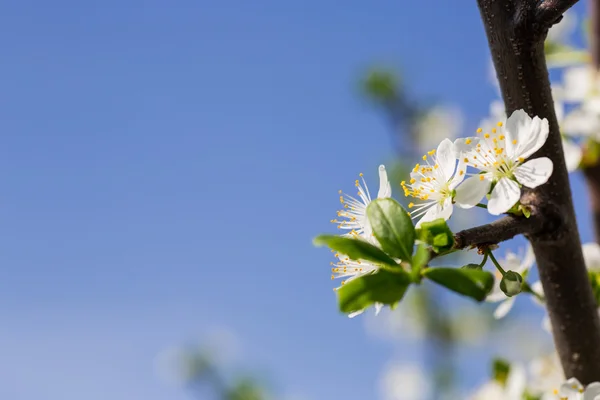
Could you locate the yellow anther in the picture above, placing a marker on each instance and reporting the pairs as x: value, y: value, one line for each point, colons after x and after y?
x: 479, y: 130
x: 424, y: 157
x: 332, y: 277
x: 515, y: 141
x: 493, y: 130
x: 461, y: 173
x: 468, y: 141
x: 499, y: 124
x: 412, y: 180
x: 432, y: 191
x: 487, y: 136
x: 361, y: 174
x: 521, y: 159
x: 436, y: 166
x: 411, y: 205
x: 474, y: 157
x: 466, y: 159
x: 339, y: 191
x: 403, y: 183
x: 501, y: 137
x: 481, y: 177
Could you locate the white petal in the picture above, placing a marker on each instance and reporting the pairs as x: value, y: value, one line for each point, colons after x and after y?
x: 497, y: 110
x: 505, y: 194
x: 437, y: 211
x: 530, y: 133
x: 458, y: 176
x: 534, y: 172
x: 572, y: 155
x: 591, y: 256
x: 385, y: 190
x: 496, y: 295
x: 378, y: 307
x: 546, y: 325
x: 592, y: 391
x: 355, y: 313
x: 504, y: 308
x: 592, y: 105
x: 470, y: 192
x: 528, y: 258
x: 516, y: 382
x: 446, y: 157
x: 581, y: 122
x: 465, y: 145
x: 570, y: 388
x: 578, y: 81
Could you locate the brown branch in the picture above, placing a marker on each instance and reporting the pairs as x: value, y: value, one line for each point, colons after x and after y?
x: 516, y: 31
x: 498, y: 231
x: 549, y: 12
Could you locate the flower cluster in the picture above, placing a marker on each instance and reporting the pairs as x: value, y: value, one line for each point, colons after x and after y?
x: 499, y: 157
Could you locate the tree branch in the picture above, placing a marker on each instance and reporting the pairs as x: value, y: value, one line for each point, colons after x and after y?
x: 498, y: 231
x: 549, y: 12
x: 516, y: 31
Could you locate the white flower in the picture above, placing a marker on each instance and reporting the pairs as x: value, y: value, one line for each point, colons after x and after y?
x: 355, y: 219
x: 560, y: 32
x: 501, y: 158
x: 511, y: 262
x: 434, y: 184
x: 573, y: 154
x: 404, y: 382
x: 512, y: 390
x: 354, y: 213
x: 544, y: 373
x: 572, y: 389
x: 438, y: 123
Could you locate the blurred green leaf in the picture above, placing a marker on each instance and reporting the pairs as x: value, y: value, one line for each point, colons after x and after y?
x: 380, y: 287
x: 381, y: 85
x: 468, y: 282
x: 355, y: 249
x: 392, y: 227
x: 421, y: 257
x: 500, y: 370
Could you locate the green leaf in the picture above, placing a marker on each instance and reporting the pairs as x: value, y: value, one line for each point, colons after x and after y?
x: 382, y: 286
x: 595, y: 281
x: 437, y: 234
x: 500, y: 370
x: 392, y: 227
x: 511, y: 283
x: 355, y: 249
x: 468, y: 282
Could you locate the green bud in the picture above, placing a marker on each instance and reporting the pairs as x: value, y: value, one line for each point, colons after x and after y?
x: 511, y: 283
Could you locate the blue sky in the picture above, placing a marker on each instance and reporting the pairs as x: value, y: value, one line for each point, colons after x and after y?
x: 166, y: 165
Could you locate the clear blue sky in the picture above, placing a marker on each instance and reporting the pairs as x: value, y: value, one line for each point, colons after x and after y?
x: 164, y: 167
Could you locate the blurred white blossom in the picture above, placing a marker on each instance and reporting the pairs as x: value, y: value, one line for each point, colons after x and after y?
x: 404, y: 382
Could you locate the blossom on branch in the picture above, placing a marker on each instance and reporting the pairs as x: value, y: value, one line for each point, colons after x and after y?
x: 434, y: 182
x: 500, y: 156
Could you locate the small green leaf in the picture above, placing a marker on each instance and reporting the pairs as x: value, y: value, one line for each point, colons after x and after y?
x: 468, y: 282
x: 437, y: 234
x: 500, y: 370
x: 355, y: 249
x: 392, y: 227
x: 511, y: 283
x: 380, y: 287
x: 595, y: 281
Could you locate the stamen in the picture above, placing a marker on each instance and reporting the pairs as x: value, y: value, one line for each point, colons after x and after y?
x: 479, y: 130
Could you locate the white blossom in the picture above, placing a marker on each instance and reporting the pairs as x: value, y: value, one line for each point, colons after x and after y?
x: 354, y: 218
x: 572, y: 389
x: 500, y: 156
x: 512, y: 389
x: 434, y: 182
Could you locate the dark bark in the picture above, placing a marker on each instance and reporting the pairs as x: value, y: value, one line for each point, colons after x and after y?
x: 498, y: 231
x: 592, y: 172
x: 516, y: 30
